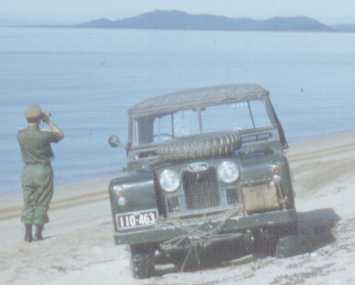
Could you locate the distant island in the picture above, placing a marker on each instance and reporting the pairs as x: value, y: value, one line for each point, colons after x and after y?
x: 178, y: 20
x: 349, y: 28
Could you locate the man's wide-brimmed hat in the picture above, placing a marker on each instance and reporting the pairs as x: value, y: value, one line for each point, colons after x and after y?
x: 33, y: 112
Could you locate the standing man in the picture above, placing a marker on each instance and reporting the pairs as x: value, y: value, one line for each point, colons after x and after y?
x: 37, y: 178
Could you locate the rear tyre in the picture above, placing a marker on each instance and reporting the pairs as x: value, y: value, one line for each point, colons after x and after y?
x: 293, y: 245
x: 142, y: 262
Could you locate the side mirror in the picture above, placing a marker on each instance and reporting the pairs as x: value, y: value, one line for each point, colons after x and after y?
x: 114, y: 141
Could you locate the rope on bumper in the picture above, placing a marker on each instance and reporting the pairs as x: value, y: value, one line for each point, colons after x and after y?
x: 195, y: 238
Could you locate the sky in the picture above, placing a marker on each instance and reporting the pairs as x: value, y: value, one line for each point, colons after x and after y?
x: 76, y: 11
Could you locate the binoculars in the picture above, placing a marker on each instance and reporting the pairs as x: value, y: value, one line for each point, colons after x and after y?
x: 45, y: 116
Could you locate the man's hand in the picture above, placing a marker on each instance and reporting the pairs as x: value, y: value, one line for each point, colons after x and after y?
x: 46, y: 117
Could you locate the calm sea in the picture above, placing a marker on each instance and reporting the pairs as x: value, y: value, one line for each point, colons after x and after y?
x: 88, y: 79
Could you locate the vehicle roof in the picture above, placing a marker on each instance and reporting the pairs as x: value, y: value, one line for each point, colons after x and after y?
x: 197, y: 98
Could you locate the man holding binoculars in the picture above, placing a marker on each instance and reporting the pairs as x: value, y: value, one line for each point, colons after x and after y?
x: 37, y: 178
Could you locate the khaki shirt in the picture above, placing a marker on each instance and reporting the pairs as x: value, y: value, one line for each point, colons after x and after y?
x: 35, y: 145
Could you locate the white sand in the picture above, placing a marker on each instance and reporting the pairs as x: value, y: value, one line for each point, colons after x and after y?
x: 80, y: 250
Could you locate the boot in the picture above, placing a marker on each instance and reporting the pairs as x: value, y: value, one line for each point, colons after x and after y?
x: 38, y: 233
x: 28, y: 233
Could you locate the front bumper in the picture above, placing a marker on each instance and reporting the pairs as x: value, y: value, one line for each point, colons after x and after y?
x: 235, y: 224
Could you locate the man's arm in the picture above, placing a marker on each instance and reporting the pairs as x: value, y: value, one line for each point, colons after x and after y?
x: 58, y: 133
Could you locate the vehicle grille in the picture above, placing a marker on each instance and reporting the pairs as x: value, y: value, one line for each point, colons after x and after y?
x: 201, y: 189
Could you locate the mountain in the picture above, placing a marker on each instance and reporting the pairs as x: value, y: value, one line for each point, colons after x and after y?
x: 345, y: 28
x: 99, y: 23
x: 177, y: 20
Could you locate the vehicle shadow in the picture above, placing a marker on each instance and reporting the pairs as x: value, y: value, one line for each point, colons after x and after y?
x: 315, y: 229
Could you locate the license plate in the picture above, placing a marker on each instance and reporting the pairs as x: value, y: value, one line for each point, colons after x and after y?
x: 137, y: 219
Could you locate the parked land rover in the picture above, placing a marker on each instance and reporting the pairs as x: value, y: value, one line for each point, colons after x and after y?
x: 206, y: 170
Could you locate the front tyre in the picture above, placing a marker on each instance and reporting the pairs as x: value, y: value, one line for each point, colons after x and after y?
x: 142, y: 262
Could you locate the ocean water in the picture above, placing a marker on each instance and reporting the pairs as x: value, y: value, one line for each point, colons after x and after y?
x: 87, y: 78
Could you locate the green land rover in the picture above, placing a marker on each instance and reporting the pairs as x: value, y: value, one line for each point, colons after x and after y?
x: 206, y: 171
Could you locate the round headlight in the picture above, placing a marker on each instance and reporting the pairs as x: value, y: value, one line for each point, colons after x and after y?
x: 169, y: 180
x: 228, y: 172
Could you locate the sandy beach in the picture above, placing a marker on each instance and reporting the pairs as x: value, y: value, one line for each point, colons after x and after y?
x: 79, y: 248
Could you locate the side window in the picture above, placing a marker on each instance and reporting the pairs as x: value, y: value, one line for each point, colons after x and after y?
x: 261, y: 118
x: 145, y: 130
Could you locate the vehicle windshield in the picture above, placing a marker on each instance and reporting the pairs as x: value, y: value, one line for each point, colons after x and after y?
x: 228, y: 117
